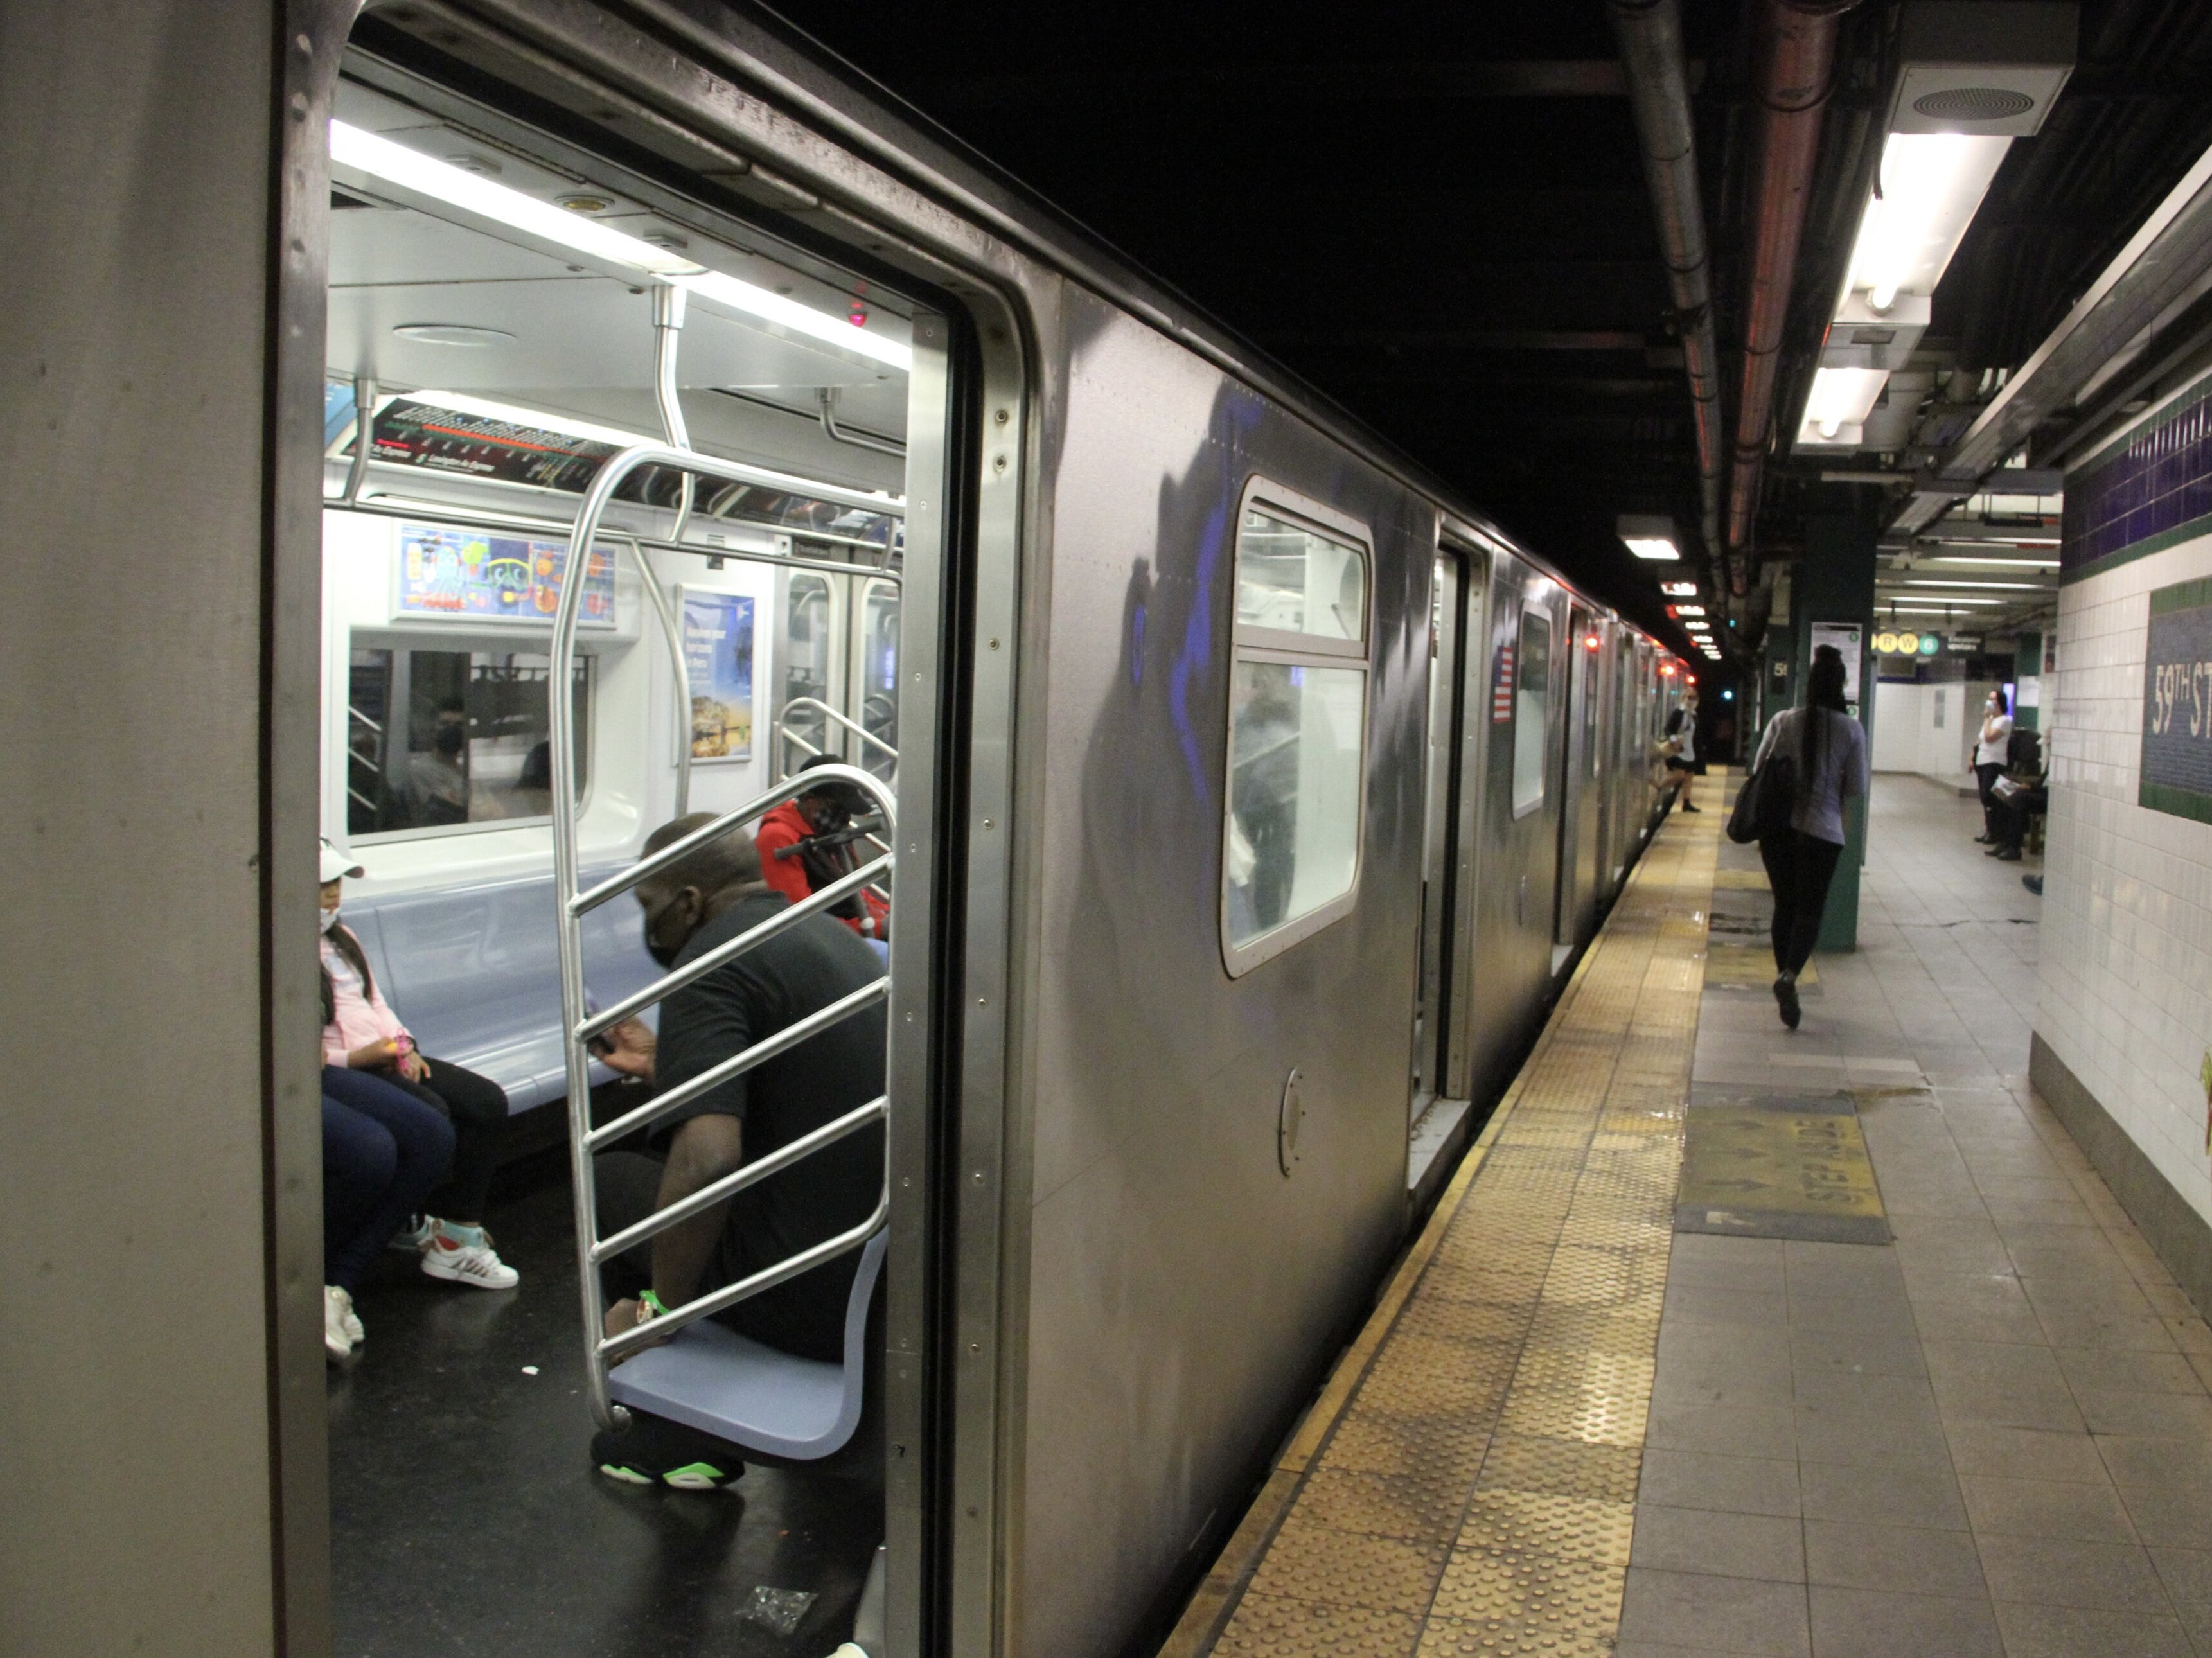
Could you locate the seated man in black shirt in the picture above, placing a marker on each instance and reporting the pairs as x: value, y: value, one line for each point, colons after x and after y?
x: 704, y: 900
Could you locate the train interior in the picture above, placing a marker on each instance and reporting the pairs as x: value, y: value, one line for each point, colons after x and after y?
x: 504, y: 310
x: 507, y: 310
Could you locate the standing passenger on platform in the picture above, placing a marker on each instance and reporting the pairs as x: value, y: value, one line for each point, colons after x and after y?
x: 1989, y: 764
x: 361, y: 1033
x: 1682, y: 744
x: 1832, y: 766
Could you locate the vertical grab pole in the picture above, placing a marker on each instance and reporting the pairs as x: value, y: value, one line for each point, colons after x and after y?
x: 575, y: 1059
x: 667, y: 337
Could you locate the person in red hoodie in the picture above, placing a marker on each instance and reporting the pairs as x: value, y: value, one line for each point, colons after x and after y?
x: 795, y: 863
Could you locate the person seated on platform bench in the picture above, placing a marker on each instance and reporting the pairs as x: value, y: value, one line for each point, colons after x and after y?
x: 361, y: 1033
x: 704, y: 900
x: 808, y: 842
x: 2017, y: 795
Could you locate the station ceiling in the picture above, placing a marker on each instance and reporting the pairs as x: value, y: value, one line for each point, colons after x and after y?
x: 1437, y: 214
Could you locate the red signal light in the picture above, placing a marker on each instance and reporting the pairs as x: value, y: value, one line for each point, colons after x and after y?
x: 1589, y: 642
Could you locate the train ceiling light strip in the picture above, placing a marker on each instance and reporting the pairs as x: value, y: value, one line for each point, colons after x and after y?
x: 351, y: 146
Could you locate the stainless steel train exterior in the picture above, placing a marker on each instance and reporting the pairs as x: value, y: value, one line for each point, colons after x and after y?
x: 1147, y: 1168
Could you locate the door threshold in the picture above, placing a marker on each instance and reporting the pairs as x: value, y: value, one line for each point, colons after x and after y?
x: 1437, y: 1134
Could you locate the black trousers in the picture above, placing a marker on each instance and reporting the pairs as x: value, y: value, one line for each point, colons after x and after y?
x: 805, y: 1316
x: 1799, y: 868
x: 1986, y: 778
x: 476, y: 1106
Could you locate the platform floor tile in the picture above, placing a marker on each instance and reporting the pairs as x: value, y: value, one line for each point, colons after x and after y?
x: 1467, y: 1482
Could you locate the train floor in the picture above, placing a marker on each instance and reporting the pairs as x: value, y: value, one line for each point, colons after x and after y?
x: 466, y: 1518
x: 1589, y: 1417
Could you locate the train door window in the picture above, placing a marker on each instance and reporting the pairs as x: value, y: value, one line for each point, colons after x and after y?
x: 445, y: 739
x: 1532, y: 699
x: 809, y: 641
x: 1297, y: 726
x: 877, y: 676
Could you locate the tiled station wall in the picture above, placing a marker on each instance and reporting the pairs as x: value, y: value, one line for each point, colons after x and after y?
x: 2126, y: 949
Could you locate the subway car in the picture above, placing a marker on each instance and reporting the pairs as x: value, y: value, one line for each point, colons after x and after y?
x: 688, y: 410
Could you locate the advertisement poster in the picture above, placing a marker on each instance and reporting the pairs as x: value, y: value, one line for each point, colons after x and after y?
x: 2177, y: 719
x: 718, y: 657
x: 473, y: 575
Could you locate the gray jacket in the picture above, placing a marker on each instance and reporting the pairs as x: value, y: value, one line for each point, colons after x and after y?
x: 1839, y: 771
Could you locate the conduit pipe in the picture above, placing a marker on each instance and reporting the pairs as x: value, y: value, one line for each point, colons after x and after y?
x: 1797, y: 55
x: 1649, y: 36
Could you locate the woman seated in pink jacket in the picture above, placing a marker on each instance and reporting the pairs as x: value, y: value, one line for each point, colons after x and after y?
x: 361, y: 1033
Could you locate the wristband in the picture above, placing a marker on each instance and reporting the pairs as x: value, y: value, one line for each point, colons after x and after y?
x: 649, y: 1307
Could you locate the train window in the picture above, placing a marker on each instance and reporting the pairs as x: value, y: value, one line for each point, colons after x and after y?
x: 440, y: 739
x: 1297, y: 719
x: 1532, y: 697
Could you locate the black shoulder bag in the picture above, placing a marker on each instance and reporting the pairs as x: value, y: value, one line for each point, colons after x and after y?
x: 1769, y: 796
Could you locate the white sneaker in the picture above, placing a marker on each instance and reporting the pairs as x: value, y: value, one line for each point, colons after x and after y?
x: 341, y: 1328
x: 478, y: 1264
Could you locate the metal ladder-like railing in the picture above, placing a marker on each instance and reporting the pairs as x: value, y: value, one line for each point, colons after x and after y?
x: 782, y: 738
x: 581, y: 1025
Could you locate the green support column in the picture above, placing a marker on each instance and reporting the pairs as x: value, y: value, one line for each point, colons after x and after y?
x: 1833, y: 584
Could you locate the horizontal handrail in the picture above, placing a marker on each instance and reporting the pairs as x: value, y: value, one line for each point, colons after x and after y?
x: 737, y: 1065
x: 692, y: 971
x: 355, y: 713
x: 738, y: 1180
x: 610, y: 1348
x: 401, y: 506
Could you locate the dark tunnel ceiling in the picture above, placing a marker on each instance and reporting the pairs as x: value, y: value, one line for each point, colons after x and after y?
x: 1438, y: 215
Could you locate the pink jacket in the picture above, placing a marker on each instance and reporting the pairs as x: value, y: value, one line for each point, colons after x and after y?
x: 360, y: 1019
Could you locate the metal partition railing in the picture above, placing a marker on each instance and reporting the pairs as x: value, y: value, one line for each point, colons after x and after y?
x: 581, y: 1025
x: 783, y: 738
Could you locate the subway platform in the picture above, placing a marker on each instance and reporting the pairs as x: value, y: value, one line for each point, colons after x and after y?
x: 1729, y: 1339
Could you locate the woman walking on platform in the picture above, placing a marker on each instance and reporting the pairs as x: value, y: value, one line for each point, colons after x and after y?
x: 1830, y: 753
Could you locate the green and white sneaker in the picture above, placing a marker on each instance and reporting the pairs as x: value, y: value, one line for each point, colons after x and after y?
x: 652, y: 1451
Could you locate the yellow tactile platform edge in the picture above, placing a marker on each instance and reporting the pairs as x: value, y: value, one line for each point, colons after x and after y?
x: 1466, y: 1480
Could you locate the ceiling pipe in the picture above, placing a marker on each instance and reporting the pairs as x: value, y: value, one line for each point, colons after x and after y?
x: 1796, y: 69
x: 1649, y: 36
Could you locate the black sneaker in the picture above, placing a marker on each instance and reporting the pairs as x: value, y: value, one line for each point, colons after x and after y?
x: 654, y: 1451
x: 1985, y: 839
x: 1785, y: 994
x: 1686, y: 806
x: 2008, y: 855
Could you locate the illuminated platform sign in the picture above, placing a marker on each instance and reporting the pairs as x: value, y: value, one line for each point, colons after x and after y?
x: 2176, y: 725
x: 1904, y: 642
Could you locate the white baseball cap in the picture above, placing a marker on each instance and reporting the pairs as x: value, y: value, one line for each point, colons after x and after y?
x: 337, y: 864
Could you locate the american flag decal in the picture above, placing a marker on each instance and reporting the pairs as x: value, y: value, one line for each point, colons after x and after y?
x: 1501, y: 687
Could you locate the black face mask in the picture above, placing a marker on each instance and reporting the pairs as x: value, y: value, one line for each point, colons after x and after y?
x: 668, y: 928
x: 449, y: 739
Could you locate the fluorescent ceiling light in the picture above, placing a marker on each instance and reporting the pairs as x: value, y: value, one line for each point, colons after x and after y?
x: 1687, y: 610
x: 1932, y: 183
x: 351, y: 146
x: 1652, y: 547
x: 1843, y: 396
x: 461, y: 403
x: 1996, y: 540
x: 1997, y: 564
x: 2018, y: 586
x: 1679, y: 589
x: 1936, y: 610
